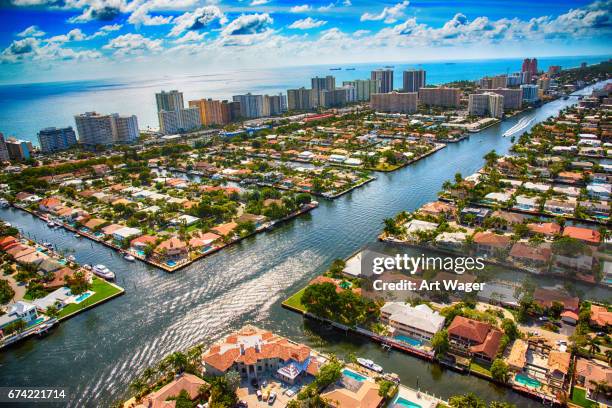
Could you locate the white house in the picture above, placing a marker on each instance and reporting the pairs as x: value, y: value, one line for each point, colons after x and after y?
x: 419, y: 323
x: 19, y: 310
x: 526, y: 203
x: 126, y: 233
x: 185, y: 219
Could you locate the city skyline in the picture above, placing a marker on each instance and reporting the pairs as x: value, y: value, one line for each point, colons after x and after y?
x: 47, y: 40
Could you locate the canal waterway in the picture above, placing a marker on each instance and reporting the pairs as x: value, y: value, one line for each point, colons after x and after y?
x: 97, y: 353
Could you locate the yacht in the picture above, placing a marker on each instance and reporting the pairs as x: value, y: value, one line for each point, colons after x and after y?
x: 87, y: 267
x: 51, y: 224
x: 48, y: 245
x: 129, y: 257
x: 71, y: 258
x: 103, y: 272
x: 369, y: 364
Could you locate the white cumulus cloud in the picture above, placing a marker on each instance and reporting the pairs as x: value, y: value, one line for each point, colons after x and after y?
x: 31, y: 31
x: 388, y: 14
x: 307, y: 23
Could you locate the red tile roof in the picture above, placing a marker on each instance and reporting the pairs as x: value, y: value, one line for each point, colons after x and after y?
x: 469, y: 329
x: 546, y: 297
x: 583, y: 234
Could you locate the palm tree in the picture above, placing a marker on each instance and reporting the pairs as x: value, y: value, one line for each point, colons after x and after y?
x: 178, y: 361
x: 593, y: 345
x: 609, y: 356
x: 138, y: 386
x: 148, y: 374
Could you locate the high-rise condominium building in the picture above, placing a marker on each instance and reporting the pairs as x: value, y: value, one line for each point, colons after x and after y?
x: 169, y: 101
x: 105, y: 130
x: 529, y: 69
x: 444, y: 97
x: 515, y: 79
x: 332, y: 98
x: 53, y: 139
x: 172, y: 114
x: 351, y: 93
x: 413, y: 80
x: 319, y: 84
x: 554, y: 69
x: 544, y: 83
x: 385, y: 76
x: 364, y: 88
x: 211, y: 112
x: 274, y: 104
x: 486, y: 103
x: 4, y: 155
x: 394, y: 102
x: 251, y: 106
x: 513, y: 98
x: 499, y: 81
x: 179, y: 121
x: 19, y: 149
x: 299, y: 99
x: 530, y: 93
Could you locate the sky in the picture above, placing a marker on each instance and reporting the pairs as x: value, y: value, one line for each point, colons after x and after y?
x: 57, y: 40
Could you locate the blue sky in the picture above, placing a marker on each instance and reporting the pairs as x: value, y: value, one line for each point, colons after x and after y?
x: 43, y: 40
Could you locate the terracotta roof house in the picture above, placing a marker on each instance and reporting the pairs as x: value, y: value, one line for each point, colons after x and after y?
x: 364, y: 396
x: 143, y: 241
x: 59, y: 279
x: 437, y: 208
x: 584, y: 234
x: 159, y: 399
x: 224, y: 229
x: 269, y: 201
x: 202, y: 239
x: 509, y: 217
x: 20, y: 250
x: 489, y: 243
x: 558, y: 369
x: 49, y: 204
x: 536, y: 256
x: 545, y: 228
x: 254, y: 352
x: 518, y: 355
x: 600, y: 316
x: 473, y: 337
x: 94, y: 223
x: 172, y: 248
x: 546, y: 297
x: 5, y: 242
x: 588, y: 372
x: 110, y: 229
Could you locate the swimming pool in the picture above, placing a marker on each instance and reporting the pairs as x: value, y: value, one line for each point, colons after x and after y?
x: 403, y: 402
x: 36, y: 321
x: 171, y: 263
x: 355, y: 376
x: 409, y: 340
x: 526, y: 381
x: 82, y: 297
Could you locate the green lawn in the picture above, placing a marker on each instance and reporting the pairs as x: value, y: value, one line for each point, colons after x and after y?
x: 296, y: 300
x: 579, y: 398
x: 480, y: 369
x: 102, y: 289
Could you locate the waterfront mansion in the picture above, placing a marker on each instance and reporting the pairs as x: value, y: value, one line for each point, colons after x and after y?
x: 419, y: 322
x: 260, y: 354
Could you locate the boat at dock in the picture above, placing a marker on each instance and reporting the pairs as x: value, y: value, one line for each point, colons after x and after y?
x: 129, y: 257
x: 103, y: 272
x: 4, y: 203
x: 369, y: 364
x: 71, y: 258
x: 51, y: 224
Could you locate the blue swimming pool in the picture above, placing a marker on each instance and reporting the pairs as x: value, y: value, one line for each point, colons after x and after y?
x: 82, y: 297
x: 409, y: 340
x: 403, y: 402
x: 36, y: 321
x: 171, y: 263
x: 353, y: 375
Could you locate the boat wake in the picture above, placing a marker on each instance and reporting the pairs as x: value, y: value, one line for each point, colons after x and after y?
x: 521, y: 124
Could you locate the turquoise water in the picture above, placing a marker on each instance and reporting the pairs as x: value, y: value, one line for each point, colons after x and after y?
x: 526, y: 381
x: 170, y: 263
x: 409, y: 340
x: 27, y: 108
x: 353, y: 375
x: 403, y: 402
x: 82, y: 297
x: 36, y: 321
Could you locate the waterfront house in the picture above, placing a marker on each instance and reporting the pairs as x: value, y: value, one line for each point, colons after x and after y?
x: 497, y: 197
x: 418, y: 323
x: 600, y: 316
x: 413, y: 227
x: 49, y: 266
x: 517, y: 358
x: 199, y: 239
x: 126, y: 233
x: 599, y: 191
x: 172, y: 249
x: 142, y: 242
x: 587, y: 235
x: 258, y: 354
x: 49, y: 204
x: 560, y: 207
x: 257, y: 220
x: 548, y: 229
x: 580, y: 262
x: 59, y: 279
x: 499, y: 293
x: 438, y: 208
x: 534, y: 257
x: 507, y: 219
x: 351, y: 393
x: 184, y: 382
x: 545, y: 298
x: 7, y: 242
x: 490, y: 244
x: 474, y: 338
x: 478, y: 215
x: 109, y: 230
x: 20, y: 310
x: 451, y: 241
x: 589, y: 373
x: 525, y: 203
x: 225, y: 230
x: 59, y: 298
x: 558, y: 370
x: 95, y: 223
x: 596, y: 209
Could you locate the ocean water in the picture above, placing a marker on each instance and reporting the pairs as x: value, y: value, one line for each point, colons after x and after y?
x: 27, y: 108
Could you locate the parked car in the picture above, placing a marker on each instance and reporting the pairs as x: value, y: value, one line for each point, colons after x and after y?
x: 243, y: 404
x: 272, y: 398
x: 259, y: 396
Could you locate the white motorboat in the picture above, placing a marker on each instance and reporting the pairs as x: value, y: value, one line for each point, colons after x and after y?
x: 77, y: 235
x: 4, y: 203
x: 71, y: 258
x: 87, y: 267
x: 103, y: 272
x: 370, y: 364
x: 129, y: 257
x: 47, y: 245
x: 51, y: 224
